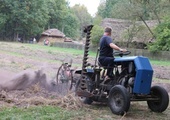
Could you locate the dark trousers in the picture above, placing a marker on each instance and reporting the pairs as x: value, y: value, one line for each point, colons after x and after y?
x: 107, y: 62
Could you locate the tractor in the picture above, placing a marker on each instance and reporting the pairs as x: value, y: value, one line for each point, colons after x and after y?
x: 131, y: 82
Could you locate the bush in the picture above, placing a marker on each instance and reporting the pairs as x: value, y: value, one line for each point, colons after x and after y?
x: 162, y: 35
x: 136, y: 34
x: 97, y: 33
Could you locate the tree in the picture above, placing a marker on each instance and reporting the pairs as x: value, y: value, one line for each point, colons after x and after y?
x: 23, y: 18
x: 71, y: 25
x: 83, y: 16
x: 57, y: 11
x: 135, y: 10
x: 3, y: 16
x: 106, y: 7
x: 62, y: 18
x: 147, y: 9
x: 101, y: 9
x: 162, y: 34
x: 3, y: 19
x: 97, y: 31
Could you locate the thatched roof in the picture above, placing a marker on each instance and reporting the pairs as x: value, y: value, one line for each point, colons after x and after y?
x: 120, y: 29
x: 53, y: 33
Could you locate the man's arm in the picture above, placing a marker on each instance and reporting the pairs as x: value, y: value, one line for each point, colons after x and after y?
x: 116, y: 47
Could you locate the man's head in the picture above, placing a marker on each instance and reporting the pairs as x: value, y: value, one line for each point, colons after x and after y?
x: 108, y: 31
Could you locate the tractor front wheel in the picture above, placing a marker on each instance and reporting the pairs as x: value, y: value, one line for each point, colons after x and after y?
x: 161, y: 104
x: 119, y: 100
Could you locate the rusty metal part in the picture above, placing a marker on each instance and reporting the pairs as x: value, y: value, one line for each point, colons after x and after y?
x: 82, y: 88
x: 84, y: 93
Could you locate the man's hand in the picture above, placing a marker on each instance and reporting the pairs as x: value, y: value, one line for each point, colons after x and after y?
x: 122, y: 50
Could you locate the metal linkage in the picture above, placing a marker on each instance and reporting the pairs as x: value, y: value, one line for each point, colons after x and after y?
x: 82, y: 88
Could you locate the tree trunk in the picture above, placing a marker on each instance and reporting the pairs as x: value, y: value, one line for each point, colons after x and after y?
x: 147, y: 26
x: 157, y: 16
x: 16, y: 32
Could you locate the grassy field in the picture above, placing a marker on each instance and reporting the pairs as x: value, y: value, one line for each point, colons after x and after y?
x: 53, y: 50
x: 138, y: 110
x: 35, y: 113
x: 159, y: 62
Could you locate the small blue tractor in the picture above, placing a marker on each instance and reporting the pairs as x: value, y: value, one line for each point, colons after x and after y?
x: 132, y: 82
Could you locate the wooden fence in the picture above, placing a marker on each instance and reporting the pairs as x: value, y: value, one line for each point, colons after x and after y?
x: 162, y: 55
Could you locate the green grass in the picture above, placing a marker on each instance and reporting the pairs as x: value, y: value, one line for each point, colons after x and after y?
x: 138, y: 110
x: 35, y: 113
x: 56, y: 113
x: 160, y: 62
x: 55, y: 49
x: 80, y: 52
x: 16, y: 54
x: 158, y: 80
x: 71, y: 51
x: 59, y: 49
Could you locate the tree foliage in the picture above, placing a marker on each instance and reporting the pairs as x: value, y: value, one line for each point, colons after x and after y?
x: 23, y: 18
x: 136, y: 10
x: 57, y: 11
x: 97, y: 31
x: 70, y: 26
x: 162, y: 34
x: 62, y: 17
x: 106, y: 7
x: 84, y: 18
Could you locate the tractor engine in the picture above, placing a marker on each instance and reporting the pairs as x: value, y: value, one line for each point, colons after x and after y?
x: 127, y: 76
x: 127, y: 82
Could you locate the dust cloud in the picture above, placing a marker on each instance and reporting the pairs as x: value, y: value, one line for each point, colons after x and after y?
x: 21, y: 81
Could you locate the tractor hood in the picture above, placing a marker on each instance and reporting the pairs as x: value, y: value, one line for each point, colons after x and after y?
x: 144, y: 72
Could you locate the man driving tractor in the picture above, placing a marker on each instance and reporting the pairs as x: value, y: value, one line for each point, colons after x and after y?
x: 132, y: 82
x: 106, y: 57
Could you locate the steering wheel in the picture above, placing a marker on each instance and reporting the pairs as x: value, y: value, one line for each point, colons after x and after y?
x: 120, y: 53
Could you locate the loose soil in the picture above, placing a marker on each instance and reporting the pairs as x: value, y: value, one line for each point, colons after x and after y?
x: 28, y: 76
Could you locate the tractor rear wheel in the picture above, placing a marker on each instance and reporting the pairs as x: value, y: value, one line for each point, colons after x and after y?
x: 161, y: 104
x: 119, y: 100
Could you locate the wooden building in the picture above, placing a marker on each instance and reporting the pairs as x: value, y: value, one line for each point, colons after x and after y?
x: 52, y: 35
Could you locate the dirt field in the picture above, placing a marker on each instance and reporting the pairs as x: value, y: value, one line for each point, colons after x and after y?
x: 28, y: 73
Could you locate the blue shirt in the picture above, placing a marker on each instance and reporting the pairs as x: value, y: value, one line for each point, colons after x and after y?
x: 105, y: 49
